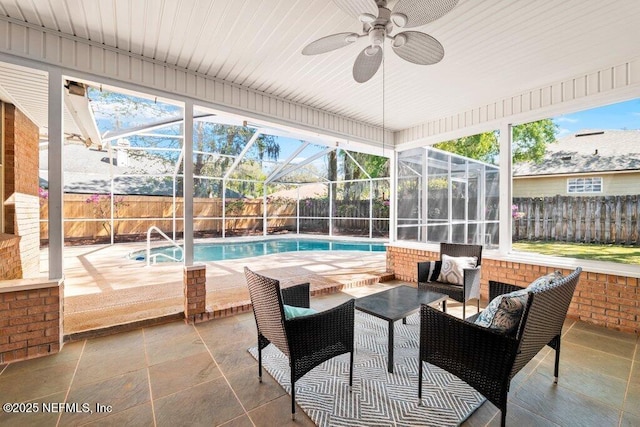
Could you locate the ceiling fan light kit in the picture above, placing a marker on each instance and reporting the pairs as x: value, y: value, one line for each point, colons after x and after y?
x: 399, y: 40
x: 379, y: 22
x: 366, y: 18
x: 399, y: 19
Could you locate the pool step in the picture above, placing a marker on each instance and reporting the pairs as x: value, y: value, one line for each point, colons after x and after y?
x: 320, y: 286
x: 324, y: 287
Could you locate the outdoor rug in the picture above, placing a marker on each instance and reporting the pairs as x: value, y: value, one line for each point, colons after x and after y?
x: 378, y: 398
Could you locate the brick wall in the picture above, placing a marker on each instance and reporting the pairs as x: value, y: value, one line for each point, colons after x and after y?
x: 30, y: 319
x: 21, y: 153
x: 608, y: 300
x: 22, y: 204
x: 10, y: 265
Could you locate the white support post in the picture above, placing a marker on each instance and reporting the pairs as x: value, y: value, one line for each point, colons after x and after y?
x: 466, y: 202
x: 423, y: 202
x: 56, y: 175
x: 505, y: 189
x: 330, y: 208
x: 393, y: 198
x: 224, y: 208
x: 187, y: 193
x: 449, y: 203
x: 173, y: 208
x: 112, y: 187
x: 370, y: 208
x: 265, y: 205
x: 298, y: 210
x: 174, y: 179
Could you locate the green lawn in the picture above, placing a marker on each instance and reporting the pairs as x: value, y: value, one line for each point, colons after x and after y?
x: 611, y: 253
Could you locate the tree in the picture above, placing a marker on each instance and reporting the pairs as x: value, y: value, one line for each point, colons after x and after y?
x: 342, y: 164
x: 530, y: 140
x: 529, y: 143
x: 215, y: 145
x: 229, y: 141
x: 483, y: 146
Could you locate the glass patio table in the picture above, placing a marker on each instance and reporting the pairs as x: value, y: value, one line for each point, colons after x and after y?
x: 395, y: 304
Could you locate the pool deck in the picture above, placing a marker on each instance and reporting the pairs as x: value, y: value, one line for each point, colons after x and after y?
x: 104, y: 288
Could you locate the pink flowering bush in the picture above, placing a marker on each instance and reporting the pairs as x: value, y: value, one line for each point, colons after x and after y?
x: 44, y: 195
x: 101, y: 207
x: 515, y: 213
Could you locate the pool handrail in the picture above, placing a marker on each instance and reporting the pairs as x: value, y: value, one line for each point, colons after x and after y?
x: 167, y: 238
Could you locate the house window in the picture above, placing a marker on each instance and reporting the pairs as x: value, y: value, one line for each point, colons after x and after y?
x: 584, y: 185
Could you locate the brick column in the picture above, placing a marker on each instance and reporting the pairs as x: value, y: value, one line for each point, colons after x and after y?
x: 30, y: 318
x: 195, y: 293
x: 21, y: 202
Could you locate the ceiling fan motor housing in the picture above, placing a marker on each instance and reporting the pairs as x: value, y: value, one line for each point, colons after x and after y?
x: 376, y: 36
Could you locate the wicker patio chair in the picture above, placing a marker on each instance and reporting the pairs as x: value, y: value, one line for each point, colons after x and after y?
x: 487, y: 360
x: 307, y: 340
x: 428, y: 272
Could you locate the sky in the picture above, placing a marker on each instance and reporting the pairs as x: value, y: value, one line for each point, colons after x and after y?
x: 623, y: 115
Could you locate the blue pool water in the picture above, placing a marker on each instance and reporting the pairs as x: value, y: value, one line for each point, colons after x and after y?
x: 225, y: 251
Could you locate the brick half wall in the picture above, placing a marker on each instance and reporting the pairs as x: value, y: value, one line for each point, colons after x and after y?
x: 30, y: 318
x: 608, y: 300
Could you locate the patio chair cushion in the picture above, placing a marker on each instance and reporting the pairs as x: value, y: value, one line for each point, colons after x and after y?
x: 291, y: 311
x: 452, y: 270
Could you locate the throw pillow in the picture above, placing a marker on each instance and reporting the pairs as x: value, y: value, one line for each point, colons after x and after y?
x: 291, y: 311
x: 543, y: 282
x: 487, y: 315
x: 452, y: 270
x: 509, y: 313
x: 434, y: 270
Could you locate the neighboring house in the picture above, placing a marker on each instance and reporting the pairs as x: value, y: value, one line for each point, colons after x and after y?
x: 589, y: 163
x: 315, y: 190
x: 88, y: 170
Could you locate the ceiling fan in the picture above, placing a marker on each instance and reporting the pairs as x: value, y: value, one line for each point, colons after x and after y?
x: 378, y: 24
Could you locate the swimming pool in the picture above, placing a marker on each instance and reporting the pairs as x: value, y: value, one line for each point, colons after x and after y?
x: 237, y: 250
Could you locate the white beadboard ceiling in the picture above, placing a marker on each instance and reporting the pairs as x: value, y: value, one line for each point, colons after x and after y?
x: 28, y: 89
x: 493, y: 48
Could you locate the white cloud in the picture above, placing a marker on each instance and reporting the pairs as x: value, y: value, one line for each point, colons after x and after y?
x: 563, y: 132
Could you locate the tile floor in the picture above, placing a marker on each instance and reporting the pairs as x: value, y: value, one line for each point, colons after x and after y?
x: 178, y: 374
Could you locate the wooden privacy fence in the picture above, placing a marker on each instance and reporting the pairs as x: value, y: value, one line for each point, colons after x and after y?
x: 599, y: 219
x: 89, y: 216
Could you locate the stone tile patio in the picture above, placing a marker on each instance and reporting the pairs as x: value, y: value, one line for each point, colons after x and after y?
x: 179, y: 374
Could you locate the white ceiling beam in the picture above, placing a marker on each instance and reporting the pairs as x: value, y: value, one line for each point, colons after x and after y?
x: 78, y: 106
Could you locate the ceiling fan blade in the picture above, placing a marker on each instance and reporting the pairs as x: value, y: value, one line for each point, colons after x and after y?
x: 366, y: 65
x: 357, y: 7
x: 421, y: 12
x: 417, y: 47
x: 329, y: 43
